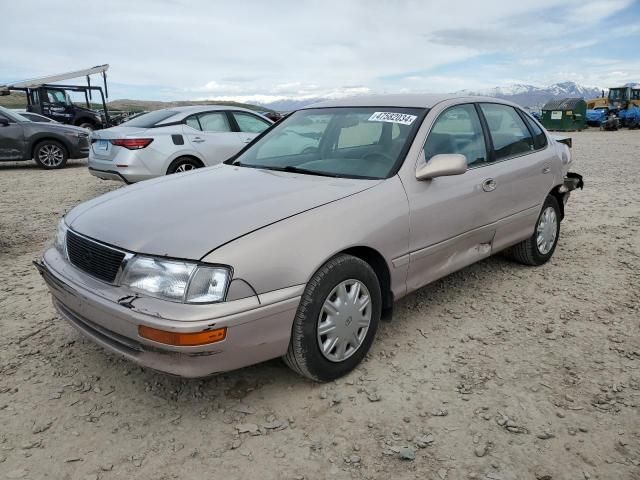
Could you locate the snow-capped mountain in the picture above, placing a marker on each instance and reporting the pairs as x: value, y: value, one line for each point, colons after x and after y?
x: 532, y: 96
x: 522, y: 94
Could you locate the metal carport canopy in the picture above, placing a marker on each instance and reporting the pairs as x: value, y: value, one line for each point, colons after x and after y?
x: 36, y: 82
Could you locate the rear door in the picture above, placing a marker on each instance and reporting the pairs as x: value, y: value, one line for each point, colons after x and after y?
x: 12, y: 142
x: 523, y: 176
x: 249, y: 126
x: 210, y: 134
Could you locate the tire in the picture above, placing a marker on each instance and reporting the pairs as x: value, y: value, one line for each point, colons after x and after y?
x: 50, y: 154
x: 305, y: 355
x: 183, y: 164
x: 528, y: 252
x: 89, y: 126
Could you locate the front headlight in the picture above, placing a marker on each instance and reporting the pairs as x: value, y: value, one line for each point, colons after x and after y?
x: 177, y: 281
x: 60, y: 241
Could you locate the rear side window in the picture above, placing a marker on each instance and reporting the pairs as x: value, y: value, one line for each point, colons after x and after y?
x: 539, y: 138
x: 214, y: 122
x: 150, y: 119
x: 508, y: 131
x: 250, y: 123
x: 457, y: 130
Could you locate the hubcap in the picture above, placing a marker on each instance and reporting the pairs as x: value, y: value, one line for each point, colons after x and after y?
x: 344, y: 320
x: 185, y: 167
x: 50, y: 155
x: 547, y: 230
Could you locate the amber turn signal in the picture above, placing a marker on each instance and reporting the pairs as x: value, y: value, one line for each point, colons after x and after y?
x: 182, y: 339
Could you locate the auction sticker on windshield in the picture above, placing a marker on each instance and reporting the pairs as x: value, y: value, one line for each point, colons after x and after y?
x: 392, y: 117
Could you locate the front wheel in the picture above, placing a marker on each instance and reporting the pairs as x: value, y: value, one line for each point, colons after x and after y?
x: 539, y: 247
x: 50, y: 154
x: 336, y: 320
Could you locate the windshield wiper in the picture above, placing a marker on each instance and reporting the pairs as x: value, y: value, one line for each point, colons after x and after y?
x: 288, y: 168
x: 292, y: 169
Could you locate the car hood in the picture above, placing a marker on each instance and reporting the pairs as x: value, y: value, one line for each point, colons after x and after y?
x: 187, y: 215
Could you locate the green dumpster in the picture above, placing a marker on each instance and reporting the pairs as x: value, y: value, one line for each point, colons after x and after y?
x: 566, y: 114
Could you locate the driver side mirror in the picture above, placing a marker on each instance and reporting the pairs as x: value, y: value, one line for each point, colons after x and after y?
x: 442, y: 165
x: 4, y: 122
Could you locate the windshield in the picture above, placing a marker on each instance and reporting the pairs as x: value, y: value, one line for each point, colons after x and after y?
x: 150, y: 119
x: 617, y: 93
x: 350, y: 142
x: 13, y: 115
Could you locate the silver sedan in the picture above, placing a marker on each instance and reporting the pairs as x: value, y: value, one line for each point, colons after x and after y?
x: 295, y: 247
x: 172, y: 140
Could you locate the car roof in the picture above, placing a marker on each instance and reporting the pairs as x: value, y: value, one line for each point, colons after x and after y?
x: 414, y: 100
x: 184, y: 111
x: 206, y: 108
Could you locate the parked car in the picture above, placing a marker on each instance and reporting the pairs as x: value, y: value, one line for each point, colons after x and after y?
x: 36, y: 117
x: 49, y: 144
x: 295, y: 252
x: 172, y: 140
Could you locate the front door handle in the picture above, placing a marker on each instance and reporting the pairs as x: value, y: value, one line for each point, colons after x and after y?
x: 198, y: 140
x: 489, y: 185
x: 248, y: 140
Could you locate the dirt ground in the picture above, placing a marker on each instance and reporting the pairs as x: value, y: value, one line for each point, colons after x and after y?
x: 496, y: 372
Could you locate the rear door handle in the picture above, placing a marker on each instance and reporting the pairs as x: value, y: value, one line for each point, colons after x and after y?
x: 546, y: 169
x: 248, y: 140
x: 489, y: 185
x: 198, y: 140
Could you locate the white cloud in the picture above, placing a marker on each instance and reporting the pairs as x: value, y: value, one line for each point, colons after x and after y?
x: 303, y: 48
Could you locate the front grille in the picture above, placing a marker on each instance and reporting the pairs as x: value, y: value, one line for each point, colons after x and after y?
x: 94, y: 258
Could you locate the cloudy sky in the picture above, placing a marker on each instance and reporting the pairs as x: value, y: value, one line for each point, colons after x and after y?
x: 264, y: 51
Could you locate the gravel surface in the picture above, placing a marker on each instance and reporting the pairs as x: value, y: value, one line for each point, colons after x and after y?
x: 496, y: 372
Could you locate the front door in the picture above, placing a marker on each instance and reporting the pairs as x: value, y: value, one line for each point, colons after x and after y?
x: 12, y: 145
x: 211, y: 135
x: 55, y: 105
x: 451, y: 218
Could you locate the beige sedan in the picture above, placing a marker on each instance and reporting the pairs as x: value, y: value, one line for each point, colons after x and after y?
x: 294, y: 247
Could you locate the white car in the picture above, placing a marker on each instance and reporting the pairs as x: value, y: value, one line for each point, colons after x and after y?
x: 172, y: 140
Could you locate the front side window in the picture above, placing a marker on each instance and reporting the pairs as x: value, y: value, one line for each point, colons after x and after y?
x: 458, y: 130
x: 509, y: 134
x: 57, y: 96
x: 250, y: 123
x: 352, y: 142
x: 214, y: 122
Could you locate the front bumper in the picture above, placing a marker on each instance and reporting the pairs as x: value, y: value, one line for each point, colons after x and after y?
x: 79, y: 148
x: 258, y: 328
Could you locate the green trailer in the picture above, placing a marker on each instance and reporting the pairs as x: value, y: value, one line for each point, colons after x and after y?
x: 566, y: 114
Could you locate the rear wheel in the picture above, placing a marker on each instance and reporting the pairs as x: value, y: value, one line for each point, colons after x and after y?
x: 336, y: 320
x: 89, y: 126
x: 50, y: 154
x: 539, y: 247
x: 183, y: 164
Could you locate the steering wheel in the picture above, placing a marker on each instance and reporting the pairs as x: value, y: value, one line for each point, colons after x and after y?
x: 383, y: 155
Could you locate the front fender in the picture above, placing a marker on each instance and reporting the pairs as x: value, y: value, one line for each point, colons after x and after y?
x: 289, y: 252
